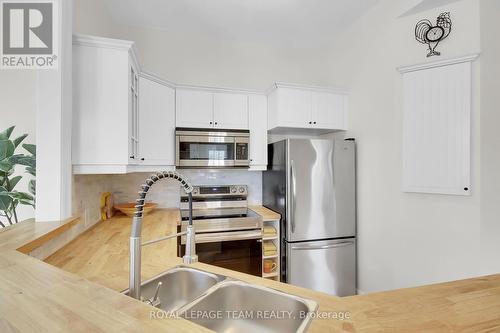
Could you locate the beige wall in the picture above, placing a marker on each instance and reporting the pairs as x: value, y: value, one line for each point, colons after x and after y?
x: 490, y: 137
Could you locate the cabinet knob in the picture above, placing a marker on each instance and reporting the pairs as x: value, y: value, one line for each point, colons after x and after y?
x: 215, y: 123
x: 142, y: 159
x: 310, y: 122
x: 210, y: 123
x: 314, y: 123
x: 132, y: 156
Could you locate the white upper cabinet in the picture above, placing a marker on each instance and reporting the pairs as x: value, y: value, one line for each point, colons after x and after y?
x: 328, y: 110
x: 194, y: 108
x: 157, y: 122
x: 230, y: 111
x: 105, y: 105
x: 206, y: 109
x: 257, y: 122
x: 134, y: 114
x: 306, y: 109
x: 293, y: 107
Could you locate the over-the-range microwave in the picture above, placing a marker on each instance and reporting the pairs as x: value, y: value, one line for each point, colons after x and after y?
x: 211, y: 148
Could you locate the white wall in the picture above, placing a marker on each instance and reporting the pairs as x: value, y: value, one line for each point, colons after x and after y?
x: 404, y: 239
x: 53, y: 123
x: 490, y: 137
x: 188, y: 58
x: 18, y: 107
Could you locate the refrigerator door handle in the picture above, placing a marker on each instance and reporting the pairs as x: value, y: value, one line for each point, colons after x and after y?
x: 323, y: 247
x: 292, y: 199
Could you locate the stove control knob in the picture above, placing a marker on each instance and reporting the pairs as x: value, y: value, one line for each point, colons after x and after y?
x: 233, y: 189
x: 242, y: 189
x: 195, y: 190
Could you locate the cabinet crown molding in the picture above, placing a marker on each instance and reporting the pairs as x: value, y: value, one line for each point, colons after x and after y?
x: 438, y: 63
x: 110, y: 43
x: 88, y: 40
x: 219, y: 89
x: 335, y: 90
x: 157, y: 79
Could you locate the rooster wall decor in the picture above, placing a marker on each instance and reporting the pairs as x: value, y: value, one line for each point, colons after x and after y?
x: 431, y: 35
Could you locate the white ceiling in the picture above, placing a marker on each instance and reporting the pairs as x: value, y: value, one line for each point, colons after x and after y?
x: 292, y: 22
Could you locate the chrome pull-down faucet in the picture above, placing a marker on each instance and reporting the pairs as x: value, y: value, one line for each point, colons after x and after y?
x: 135, y: 236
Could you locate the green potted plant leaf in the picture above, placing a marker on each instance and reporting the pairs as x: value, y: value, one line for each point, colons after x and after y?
x: 10, y: 198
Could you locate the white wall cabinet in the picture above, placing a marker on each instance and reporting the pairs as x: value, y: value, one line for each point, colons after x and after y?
x: 125, y: 120
x: 230, y: 110
x: 156, y: 123
x: 194, y: 108
x: 206, y: 109
x: 257, y: 122
x: 292, y: 107
x: 328, y: 110
x: 313, y: 109
x: 105, y: 105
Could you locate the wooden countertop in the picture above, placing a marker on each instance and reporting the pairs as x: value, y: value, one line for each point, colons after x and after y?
x: 266, y: 213
x: 37, y: 296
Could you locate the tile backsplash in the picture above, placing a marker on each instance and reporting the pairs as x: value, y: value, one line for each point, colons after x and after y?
x: 86, y: 198
x: 167, y: 193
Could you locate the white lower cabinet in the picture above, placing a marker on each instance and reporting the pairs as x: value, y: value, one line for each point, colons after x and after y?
x: 257, y: 123
x: 156, y: 124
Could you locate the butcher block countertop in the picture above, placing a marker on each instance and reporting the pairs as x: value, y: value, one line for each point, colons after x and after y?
x: 75, y: 290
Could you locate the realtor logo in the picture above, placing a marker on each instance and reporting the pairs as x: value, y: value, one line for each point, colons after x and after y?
x: 28, y: 35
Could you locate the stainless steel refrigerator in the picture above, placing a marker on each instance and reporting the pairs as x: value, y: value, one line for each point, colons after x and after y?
x: 312, y: 184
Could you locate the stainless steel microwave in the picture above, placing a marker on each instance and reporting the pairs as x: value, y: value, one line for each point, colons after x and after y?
x: 211, y: 148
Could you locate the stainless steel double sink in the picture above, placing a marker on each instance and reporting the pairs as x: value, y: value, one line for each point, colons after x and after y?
x: 224, y: 304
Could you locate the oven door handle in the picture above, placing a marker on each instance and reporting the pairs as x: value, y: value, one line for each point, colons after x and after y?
x: 214, y: 237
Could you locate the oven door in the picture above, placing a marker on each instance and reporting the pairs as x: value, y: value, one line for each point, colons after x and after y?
x: 205, y: 151
x: 240, y: 251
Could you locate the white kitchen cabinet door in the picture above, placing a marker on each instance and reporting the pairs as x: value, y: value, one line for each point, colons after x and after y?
x: 105, y: 105
x: 294, y: 107
x: 257, y: 122
x: 157, y: 123
x: 436, y: 129
x: 328, y: 110
x: 134, y: 115
x: 230, y: 111
x: 194, y: 108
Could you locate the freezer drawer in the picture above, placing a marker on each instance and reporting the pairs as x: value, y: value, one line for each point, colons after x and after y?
x: 326, y: 266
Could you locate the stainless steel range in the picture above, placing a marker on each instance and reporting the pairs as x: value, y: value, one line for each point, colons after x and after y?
x: 228, y: 233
